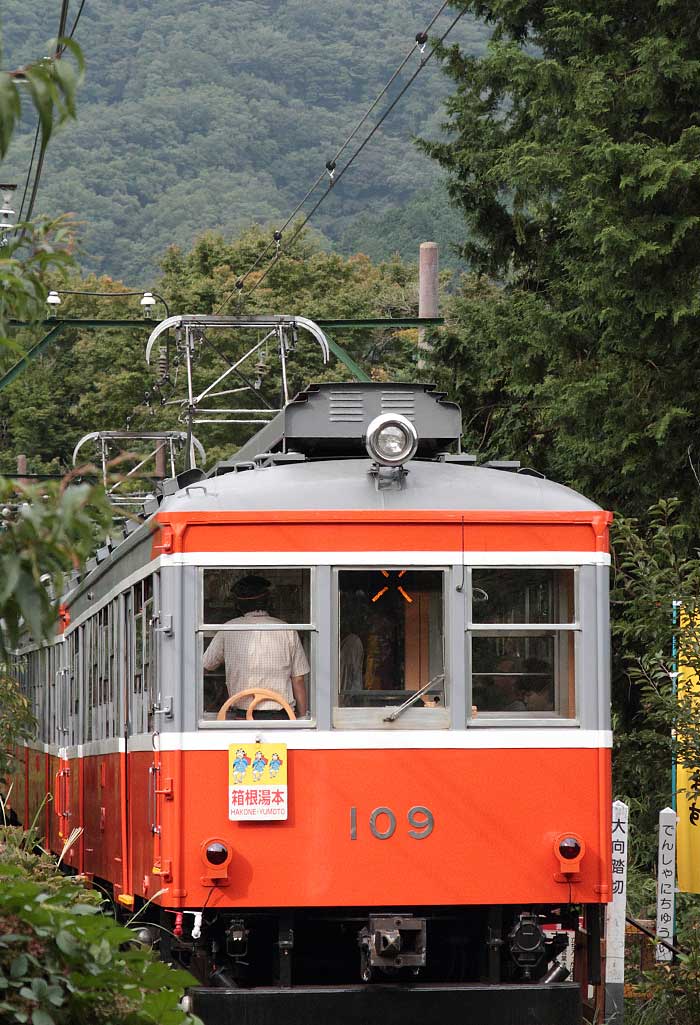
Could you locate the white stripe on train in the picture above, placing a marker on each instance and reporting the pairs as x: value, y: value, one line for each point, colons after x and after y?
x: 306, y: 738
x: 384, y: 558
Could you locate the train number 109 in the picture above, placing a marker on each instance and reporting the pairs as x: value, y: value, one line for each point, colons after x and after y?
x: 382, y: 823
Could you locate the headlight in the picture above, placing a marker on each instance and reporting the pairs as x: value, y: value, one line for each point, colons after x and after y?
x: 216, y: 853
x: 391, y: 439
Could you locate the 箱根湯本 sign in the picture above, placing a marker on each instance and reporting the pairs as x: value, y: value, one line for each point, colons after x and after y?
x: 257, y: 782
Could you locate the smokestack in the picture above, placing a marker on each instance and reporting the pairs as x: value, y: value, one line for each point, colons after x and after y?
x: 22, y: 469
x: 160, y: 461
x: 428, y: 302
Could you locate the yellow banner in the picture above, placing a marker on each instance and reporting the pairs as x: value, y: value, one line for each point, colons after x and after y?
x: 688, y: 799
x: 257, y: 782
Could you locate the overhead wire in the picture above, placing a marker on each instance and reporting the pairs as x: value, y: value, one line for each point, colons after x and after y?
x: 29, y: 172
x: 331, y: 162
x: 75, y: 23
x: 421, y: 39
x: 62, y: 22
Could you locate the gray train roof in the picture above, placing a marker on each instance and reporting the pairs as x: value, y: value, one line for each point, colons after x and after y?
x: 348, y: 484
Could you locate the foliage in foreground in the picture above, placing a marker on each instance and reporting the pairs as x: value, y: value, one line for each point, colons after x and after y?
x: 44, y: 533
x: 37, y: 249
x: 64, y: 962
x: 17, y: 722
x: 669, y: 994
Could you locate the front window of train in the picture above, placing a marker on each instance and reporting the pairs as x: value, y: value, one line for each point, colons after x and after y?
x: 523, y: 634
x: 255, y: 641
x: 390, y: 651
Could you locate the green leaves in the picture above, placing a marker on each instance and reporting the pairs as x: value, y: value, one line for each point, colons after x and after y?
x: 572, y: 151
x: 70, y: 964
x: 52, y: 84
x: 10, y: 110
x: 44, y: 533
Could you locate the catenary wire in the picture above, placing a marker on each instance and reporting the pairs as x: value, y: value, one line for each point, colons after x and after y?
x: 77, y: 19
x: 350, y: 161
x: 63, y: 18
x: 331, y: 163
x: 29, y: 172
x: 349, y: 139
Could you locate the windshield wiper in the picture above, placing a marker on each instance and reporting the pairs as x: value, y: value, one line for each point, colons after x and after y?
x: 414, y: 697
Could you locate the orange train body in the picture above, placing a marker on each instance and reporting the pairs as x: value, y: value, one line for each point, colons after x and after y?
x: 500, y: 796
x: 493, y: 838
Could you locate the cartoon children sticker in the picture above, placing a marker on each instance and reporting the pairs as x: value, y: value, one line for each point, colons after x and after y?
x: 240, y: 765
x: 275, y: 765
x: 259, y: 763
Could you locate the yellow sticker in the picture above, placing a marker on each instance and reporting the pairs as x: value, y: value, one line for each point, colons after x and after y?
x: 257, y: 782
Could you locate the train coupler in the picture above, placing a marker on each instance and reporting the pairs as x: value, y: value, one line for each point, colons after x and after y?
x: 391, y: 942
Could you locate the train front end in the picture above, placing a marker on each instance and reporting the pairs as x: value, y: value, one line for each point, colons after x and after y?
x: 432, y: 834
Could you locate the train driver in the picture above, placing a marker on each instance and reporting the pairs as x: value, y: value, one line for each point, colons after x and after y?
x: 270, y: 659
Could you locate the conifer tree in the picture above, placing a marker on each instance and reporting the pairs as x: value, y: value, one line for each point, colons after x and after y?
x: 573, y: 149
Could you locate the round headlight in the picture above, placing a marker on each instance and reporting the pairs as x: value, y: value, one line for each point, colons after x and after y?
x: 569, y: 848
x: 391, y: 439
x: 216, y: 853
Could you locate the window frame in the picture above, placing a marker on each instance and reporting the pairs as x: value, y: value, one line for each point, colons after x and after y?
x: 485, y: 718
x: 311, y: 628
x: 362, y: 718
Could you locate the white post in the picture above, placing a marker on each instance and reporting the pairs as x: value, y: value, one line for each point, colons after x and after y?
x: 428, y: 291
x: 666, y: 883
x: 615, y: 918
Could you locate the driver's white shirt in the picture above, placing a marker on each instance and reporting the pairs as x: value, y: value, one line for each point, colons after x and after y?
x: 258, y: 658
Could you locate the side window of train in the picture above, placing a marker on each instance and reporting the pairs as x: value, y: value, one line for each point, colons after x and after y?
x: 390, y: 663
x: 30, y: 669
x: 522, y: 630
x: 141, y: 653
x: 255, y: 634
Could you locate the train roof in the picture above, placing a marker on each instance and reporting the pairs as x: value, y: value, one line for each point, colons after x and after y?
x: 353, y: 484
x: 311, y: 457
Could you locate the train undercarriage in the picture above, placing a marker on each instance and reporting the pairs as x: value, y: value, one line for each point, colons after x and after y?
x: 478, y: 965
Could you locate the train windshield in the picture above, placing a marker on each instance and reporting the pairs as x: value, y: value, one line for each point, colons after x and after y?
x: 255, y: 636
x: 523, y: 633
x: 390, y: 647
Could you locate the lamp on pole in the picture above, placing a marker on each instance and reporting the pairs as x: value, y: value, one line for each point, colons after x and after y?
x: 148, y: 299
x: 7, y: 214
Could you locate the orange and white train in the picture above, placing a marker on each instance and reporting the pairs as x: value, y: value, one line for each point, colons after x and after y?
x: 433, y: 836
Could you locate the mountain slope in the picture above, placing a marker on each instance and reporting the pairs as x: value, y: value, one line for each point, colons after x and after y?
x: 213, y: 115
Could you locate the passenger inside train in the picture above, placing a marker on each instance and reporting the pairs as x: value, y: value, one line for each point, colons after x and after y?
x: 388, y: 638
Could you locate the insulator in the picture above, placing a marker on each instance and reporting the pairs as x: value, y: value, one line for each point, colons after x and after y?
x: 163, y: 362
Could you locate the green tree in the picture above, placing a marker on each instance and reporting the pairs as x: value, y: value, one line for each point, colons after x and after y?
x: 92, y: 380
x: 216, y: 115
x: 36, y: 250
x: 656, y: 630
x: 43, y: 531
x: 572, y: 150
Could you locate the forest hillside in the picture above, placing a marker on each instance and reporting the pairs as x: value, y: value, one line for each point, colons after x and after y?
x: 212, y: 115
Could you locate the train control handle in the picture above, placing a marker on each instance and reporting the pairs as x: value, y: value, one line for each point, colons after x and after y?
x: 413, y: 698
x: 258, y: 694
